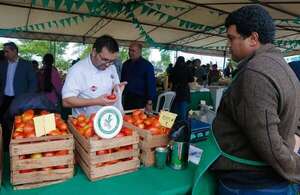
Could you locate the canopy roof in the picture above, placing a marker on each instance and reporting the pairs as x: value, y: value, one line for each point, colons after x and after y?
x: 188, y: 25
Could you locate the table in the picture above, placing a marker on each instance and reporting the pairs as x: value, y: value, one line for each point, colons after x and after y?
x: 197, y: 96
x: 144, y: 181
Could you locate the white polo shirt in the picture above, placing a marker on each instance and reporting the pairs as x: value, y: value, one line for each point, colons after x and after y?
x: 84, y: 80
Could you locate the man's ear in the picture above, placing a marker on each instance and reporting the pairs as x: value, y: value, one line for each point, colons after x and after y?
x: 254, y: 39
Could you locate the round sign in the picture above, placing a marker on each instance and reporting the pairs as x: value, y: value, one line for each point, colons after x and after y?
x: 108, y: 122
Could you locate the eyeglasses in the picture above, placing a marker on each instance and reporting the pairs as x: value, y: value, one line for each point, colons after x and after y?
x: 104, y: 61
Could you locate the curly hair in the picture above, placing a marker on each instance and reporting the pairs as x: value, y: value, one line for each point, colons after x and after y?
x: 253, y: 18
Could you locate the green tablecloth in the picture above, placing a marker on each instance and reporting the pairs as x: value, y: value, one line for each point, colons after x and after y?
x: 197, y: 96
x: 144, y: 181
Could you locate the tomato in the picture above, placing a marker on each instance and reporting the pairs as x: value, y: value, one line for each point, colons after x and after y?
x: 136, y: 112
x: 154, y: 130
x: 155, y: 123
x: 30, y: 134
x: 20, y: 125
x: 127, y: 131
x: 143, y: 116
x: 26, y: 171
x: 54, y: 133
x: 21, y: 157
x: 141, y: 125
x: 120, y: 135
x: 46, y: 169
x: 44, y: 112
x: 89, y: 132
x: 81, y: 124
x: 62, y: 126
x: 63, y: 132
x: 100, y: 164
x: 128, y: 119
x: 36, y: 155
x: 61, y: 152
x: 28, y: 128
x: 112, y: 162
x: 148, y: 122
x: 138, y: 121
x: 60, y: 167
x: 18, y: 119
x: 81, y: 118
x: 111, y: 97
x: 74, y: 121
x: 57, y: 116
x: 18, y: 135
x: 101, y: 152
x: 27, y: 115
x: 19, y: 129
x: 48, y: 154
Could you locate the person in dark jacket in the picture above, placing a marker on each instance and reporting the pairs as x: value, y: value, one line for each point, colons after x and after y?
x: 180, y: 78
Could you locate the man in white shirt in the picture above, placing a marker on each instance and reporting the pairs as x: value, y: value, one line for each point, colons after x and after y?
x: 91, y: 82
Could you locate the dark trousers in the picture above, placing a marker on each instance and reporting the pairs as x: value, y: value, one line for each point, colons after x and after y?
x: 132, y: 101
x: 6, y: 121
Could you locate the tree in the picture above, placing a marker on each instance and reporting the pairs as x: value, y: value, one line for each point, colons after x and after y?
x: 165, y: 58
x: 85, y: 50
x: 123, y: 54
x: 146, y: 53
x: 37, y: 48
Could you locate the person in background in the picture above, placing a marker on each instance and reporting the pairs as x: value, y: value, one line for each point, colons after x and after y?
x: 17, y: 77
x: 118, y: 64
x: 169, y: 69
x: 35, y: 66
x: 140, y: 91
x: 93, y: 82
x: 2, y: 56
x: 180, y: 78
x: 213, y: 75
x: 49, y: 80
x: 296, y: 68
x: 257, y: 122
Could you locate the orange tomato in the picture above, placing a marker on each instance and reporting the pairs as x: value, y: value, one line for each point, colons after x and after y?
x: 61, y: 152
x: 74, y: 121
x: 19, y: 125
x: 127, y: 131
x: 81, y: 118
x: 89, y: 132
x: 54, y: 133
x: 154, y: 130
x: 28, y: 128
x: 18, y: 135
x: 143, y: 116
x: 31, y: 134
x: 27, y: 115
x: 141, y: 125
x: 62, y: 126
x: 48, y: 154
x: 100, y: 164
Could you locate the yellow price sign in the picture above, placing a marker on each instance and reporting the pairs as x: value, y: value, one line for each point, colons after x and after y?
x: 44, y: 124
x: 167, y: 119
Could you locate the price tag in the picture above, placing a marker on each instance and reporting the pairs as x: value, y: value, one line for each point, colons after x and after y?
x: 167, y: 119
x: 44, y: 124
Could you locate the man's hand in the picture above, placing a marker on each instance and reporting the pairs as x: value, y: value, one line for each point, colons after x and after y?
x: 120, y: 87
x: 104, y: 101
x: 297, y: 143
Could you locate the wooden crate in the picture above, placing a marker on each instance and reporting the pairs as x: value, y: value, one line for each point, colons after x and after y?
x: 148, y: 143
x: 43, y: 144
x: 88, y: 159
x: 1, y: 156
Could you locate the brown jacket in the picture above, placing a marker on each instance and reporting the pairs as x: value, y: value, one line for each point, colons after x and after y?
x: 259, y: 115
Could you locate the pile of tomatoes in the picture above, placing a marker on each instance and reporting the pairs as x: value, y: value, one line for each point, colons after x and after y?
x: 42, y: 155
x: 150, y: 123
x: 24, y: 126
x: 85, y: 126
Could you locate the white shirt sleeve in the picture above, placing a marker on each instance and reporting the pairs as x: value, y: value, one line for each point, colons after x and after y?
x: 72, y: 85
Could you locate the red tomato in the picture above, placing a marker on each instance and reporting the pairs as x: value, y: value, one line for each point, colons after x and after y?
x: 60, y: 167
x: 154, y: 130
x: 127, y: 131
x: 18, y: 119
x: 101, y: 152
x: 28, y: 128
x: 92, y: 116
x: 30, y: 134
x: 21, y: 157
x: 141, y: 125
x: 143, y: 116
x: 147, y: 122
x: 26, y: 171
x: 120, y: 135
x: 46, y: 168
x: 128, y: 119
x: 111, y: 97
x: 44, y: 112
x: 62, y: 126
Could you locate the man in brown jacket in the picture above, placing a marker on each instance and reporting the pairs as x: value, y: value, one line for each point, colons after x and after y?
x: 258, y: 117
